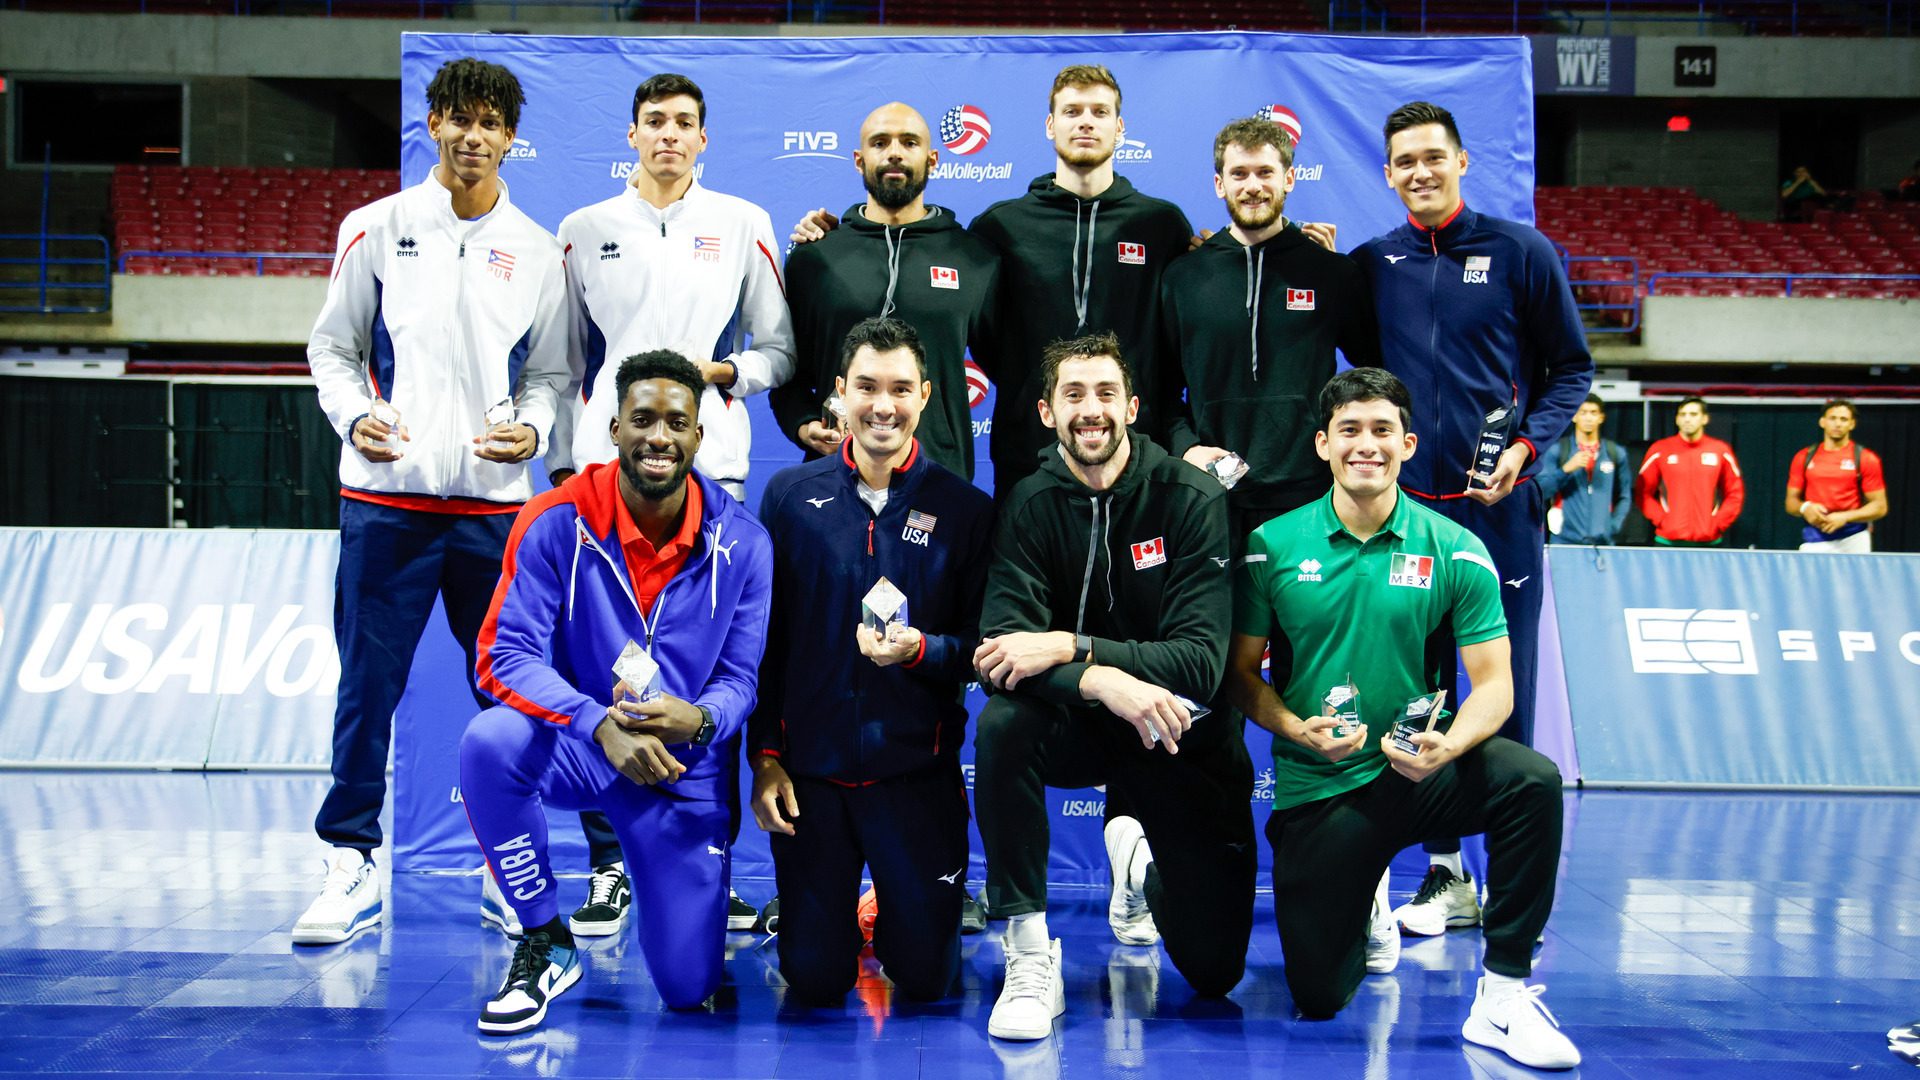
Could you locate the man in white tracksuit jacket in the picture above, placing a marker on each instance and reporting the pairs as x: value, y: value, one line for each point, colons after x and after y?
x: 440, y: 356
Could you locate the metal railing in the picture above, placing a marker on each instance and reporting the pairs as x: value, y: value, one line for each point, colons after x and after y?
x: 1889, y: 18
x: 260, y: 258
x: 1654, y: 280
x: 48, y: 254
x: 1632, y: 307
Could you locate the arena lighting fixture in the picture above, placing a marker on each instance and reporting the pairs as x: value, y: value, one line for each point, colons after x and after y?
x: 1679, y: 123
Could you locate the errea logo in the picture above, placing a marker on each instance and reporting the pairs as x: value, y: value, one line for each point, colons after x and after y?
x: 1691, y: 641
x: 1309, y: 570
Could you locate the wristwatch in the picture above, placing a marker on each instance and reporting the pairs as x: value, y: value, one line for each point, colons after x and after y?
x: 1082, y: 648
x: 704, y: 736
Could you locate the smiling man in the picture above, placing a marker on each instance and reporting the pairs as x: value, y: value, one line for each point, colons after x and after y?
x: 855, y: 745
x: 435, y: 440
x: 1249, y: 325
x: 1105, y: 622
x: 894, y: 256
x: 1477, y: 319
x: 639, y: 550
x: 1355, y: 591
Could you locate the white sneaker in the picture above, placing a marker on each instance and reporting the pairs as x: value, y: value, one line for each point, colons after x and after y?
x: 1904, y: 1041
x: 1521, y: 1028
x: 1031, y: 997
x: 494, y: 909
x: 1383, y: 936
x: 349, y: 902
x: 1443, y: 903
x: 1127, y: 860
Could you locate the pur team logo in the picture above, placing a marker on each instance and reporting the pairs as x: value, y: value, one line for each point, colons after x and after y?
x: 965, y: 129
x: 1691, y: 641
x: 977, y: 385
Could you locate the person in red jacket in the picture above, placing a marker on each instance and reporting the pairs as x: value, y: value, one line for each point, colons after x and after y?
x: 1690, y: 486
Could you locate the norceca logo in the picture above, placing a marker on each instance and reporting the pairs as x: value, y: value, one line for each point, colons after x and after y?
x: 216, y: 649
x: 521, y: 150
x: 1720, y: 641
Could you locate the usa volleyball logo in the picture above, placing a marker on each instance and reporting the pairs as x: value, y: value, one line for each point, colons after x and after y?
x: 977, y: 385
x: 1285, y: 117
x: 965, y: 129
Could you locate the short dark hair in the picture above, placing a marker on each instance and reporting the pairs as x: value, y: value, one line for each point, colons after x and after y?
x: 1694, y: 400
x: 1594, y: 400
x: 1418, y: 114
x: 657, y: 364
x: 467, y: 82
x: 1251, y: 134
x: 1365, y: 384
x: 1086, y: 346
x: 665, y: 85
x: 1081, y: 76
x: 1840, y: 403
x: 882, y: 334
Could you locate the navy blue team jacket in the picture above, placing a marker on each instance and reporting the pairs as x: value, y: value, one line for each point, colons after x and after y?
x: 1472, y: 314
x: 826, y: 710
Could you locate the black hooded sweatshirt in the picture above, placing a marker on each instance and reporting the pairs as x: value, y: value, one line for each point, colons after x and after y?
x: 1142, y: 568
x: 1250, y: 334
x: 1072, y: 266
x: 932, y: 275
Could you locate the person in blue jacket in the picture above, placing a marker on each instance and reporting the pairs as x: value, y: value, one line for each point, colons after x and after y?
x: 1475, y: 317
x: 855, y: 744
x: 635, y: 550
x: 1588, y: 473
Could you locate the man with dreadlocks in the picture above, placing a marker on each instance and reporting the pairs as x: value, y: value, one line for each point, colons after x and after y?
x: 440, y: 357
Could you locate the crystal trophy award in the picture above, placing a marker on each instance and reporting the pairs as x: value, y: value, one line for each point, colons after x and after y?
x: 636, y: 668
x: 1194, y: 712
x: 1228, y: 469
x: 383, y: 411
x: 884, y: 610
x: 500, y: 413
x: 1417, y: 716
x: 1343, y: 705
x: 833, y: 412
x: 1494, y: 430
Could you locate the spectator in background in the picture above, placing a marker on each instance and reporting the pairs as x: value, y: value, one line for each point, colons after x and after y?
x: 1801, y: 194
x: 1588, y: 474
x: 1690, y: 486
x: 1835, y: 486
x: 1909, y: 185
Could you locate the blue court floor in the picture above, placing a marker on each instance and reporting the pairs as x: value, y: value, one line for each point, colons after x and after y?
x: 1696, y: 935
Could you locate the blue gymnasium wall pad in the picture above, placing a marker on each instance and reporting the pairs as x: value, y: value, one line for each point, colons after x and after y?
x: 783, y: 117
x: 1741, y: 667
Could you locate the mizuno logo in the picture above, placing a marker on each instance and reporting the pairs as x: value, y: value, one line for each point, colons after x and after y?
x: 818, y: 503
x: 1517, y: 582
x: 1395, y: 258
x: 954, y: 877
x: 1220, y: 562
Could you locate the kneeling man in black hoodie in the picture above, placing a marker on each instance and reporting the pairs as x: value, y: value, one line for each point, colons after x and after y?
x: 1105, y: 627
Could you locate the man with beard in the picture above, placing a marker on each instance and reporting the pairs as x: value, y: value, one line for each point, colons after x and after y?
x: 638, y: 552
x: 855, y: 743
x: 1105, y: 628
x: 1477, y: 319
x: 1249, y: 324
x: 896, y: 257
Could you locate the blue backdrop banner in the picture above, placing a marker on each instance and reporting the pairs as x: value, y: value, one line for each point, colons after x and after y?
x: 783, y: 117
x: 1741, y: 667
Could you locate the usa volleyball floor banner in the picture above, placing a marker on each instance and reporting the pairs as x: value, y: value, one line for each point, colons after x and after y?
x: 1754, y: 668
x: 162, y: 647
x: 783, y: 118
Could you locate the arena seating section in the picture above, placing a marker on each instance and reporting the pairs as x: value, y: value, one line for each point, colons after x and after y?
x: 207, y: 209
x: 1664, y: 230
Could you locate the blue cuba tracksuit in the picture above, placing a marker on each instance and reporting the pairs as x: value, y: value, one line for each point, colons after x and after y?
x: 564, y: 609
x: 1475, y: 315
x: 873, y: 752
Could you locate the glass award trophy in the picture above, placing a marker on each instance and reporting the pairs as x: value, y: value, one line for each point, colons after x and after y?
x: 884, y: 610
x: 501, y: 412
x: 383, y: 411
x: 1343, y: 705
x: 833, y: 413
x: 1417, y: 716
x: 1194, y: 709
x: 1228, y: 470
x: 637, y: 668
x: 1494, y: 431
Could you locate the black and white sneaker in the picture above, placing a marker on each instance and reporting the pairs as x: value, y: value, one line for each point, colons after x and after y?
x: 769, y: 920
x: 609, y: 900
x: 973, y: 915
x: 740, y: 914
x: 1444, y: 902
x: 1904, y: 1041
x: 540, y: 971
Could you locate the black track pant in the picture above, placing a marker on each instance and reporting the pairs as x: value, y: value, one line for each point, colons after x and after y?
x: 911, y: 832
x: 1194, y: 806
x: 1328, y: 857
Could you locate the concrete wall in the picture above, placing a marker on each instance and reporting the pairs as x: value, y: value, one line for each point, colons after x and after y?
x: 1706, y: 329
x: 186, y: 310
x: 1730, y: 156
x: 1784, y: 67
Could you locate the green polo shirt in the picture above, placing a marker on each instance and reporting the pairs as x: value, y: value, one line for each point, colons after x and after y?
x: 1342, y: 607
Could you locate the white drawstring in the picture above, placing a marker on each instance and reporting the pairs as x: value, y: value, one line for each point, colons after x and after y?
x: 1082, y: 288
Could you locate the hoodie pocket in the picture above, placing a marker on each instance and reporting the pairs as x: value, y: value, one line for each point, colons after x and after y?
x: 1273, y: 434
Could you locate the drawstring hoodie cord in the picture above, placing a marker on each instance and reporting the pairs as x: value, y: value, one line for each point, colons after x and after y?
x: 1099, y: 534
x: 1256, y: 267
x: 893, y: 267
x: 1082, y: 287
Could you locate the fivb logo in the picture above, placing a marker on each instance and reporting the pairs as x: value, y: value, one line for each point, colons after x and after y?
x: 216, y: 650
x: 1691, y: 641
x: 801, y: 144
